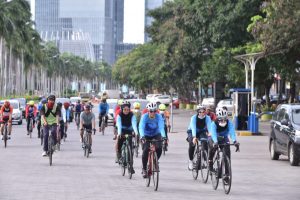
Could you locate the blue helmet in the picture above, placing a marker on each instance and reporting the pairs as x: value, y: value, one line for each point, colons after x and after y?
x: 44, y: 100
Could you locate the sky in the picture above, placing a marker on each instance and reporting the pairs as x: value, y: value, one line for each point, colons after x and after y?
x: 134, y: 19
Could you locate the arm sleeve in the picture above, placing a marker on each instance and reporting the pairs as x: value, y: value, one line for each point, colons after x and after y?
x: 107, y: 108
x: 214, y: 132
x: 134, y: 124
x: 193, y: 125
x: 231, y: 131
x: 208, y: 123
x: 26, y: 111
x: 119, y: 125
x: 43, y: 110
x: 161, y: 125
x: 142, y: 126
x: 99, y: 108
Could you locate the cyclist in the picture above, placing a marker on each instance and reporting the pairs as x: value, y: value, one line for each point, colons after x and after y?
x: 210, y: 113
x: 30, y: 113
x: 151, y: 127
x: 199, y: 126
x: 6, y: 115
x: 38, y: 118
x: 126, y: 123
x: 78, y: 109
x: 116, y: 113
x: 220, y: 130
x: 166, y: 116
x: 66, y: 114
x: 50, y: 114
x: 87, y: 121
x: 137, y: 113
x: 103, y: 111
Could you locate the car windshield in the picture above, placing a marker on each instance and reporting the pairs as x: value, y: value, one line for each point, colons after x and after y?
x: 296, y: 116
x: 163, y: 97
x: 14, y: 105
x: 22, y: 101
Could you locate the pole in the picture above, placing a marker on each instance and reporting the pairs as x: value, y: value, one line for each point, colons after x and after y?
x: 172, y: 112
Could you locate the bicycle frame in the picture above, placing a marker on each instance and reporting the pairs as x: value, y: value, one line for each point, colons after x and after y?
x: 87, y: 142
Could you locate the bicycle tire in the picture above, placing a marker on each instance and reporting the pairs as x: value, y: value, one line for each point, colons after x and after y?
x: 103, y: 126
x: 129, y: 161
x: 137, y: 146
x: 50, y: 148
x: 149, y: 169
x: 5, y: 137
x: 215, y: 172
x: 226, y: 184
x: 155, y: 171
x: 204, y: 166
x: 123, y: 160
x: 195, y: 170
x: 87, y: 145
x: 30, y: 128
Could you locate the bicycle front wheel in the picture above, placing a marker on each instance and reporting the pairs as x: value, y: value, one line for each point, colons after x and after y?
x: 155, y: 171
x: 129, y: 162
x: 123, y: 160
x: 204, y: 166
x: 196, y: 163
x: 149, y: 169
x: 5, y: 137
x: 30, y: 128
x: 137, y: 145
x: 50, y: 148
x: 215, y: 172
x: 226, y: 174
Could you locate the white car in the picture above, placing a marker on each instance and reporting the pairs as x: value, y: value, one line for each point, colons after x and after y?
x: 111, y: 112
x: 228, y: 103
x: 150, y: 97
x: 165, y: 99
x: 17, y: 112
x: 207, y: 102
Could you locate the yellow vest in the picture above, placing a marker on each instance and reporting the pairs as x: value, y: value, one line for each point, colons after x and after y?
x: 51, y: 118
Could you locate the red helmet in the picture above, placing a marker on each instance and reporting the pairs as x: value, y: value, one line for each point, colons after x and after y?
x: 66, y: 105
x: 6, y: 104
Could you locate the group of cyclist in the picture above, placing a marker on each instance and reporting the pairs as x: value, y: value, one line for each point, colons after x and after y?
x: 212, y: 129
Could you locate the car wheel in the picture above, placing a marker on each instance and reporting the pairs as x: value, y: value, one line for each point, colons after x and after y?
x: 274, y: 155
x: 293, y: 158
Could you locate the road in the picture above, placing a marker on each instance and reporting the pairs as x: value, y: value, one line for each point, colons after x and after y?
x: 26, y: 175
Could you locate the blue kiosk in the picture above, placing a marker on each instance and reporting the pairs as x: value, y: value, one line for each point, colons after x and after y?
x: 244, y: 119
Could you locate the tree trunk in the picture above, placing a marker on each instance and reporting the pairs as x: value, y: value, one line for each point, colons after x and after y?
x: 292, y: 92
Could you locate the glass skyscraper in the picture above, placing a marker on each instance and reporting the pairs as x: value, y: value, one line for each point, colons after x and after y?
x: 89, y: 29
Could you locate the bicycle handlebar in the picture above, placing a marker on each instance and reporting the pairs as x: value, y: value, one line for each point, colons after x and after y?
x: 237, y: 146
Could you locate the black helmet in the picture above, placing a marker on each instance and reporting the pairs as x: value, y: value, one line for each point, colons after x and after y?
x: 125, y: 104
x: 59, y: 104
x: 51, y: 97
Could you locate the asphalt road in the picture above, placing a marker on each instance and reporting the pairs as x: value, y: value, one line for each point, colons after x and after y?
x: 26, y: 175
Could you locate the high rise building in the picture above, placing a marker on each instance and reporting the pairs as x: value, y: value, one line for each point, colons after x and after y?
x: 90, y: 29
x: 150, y: 5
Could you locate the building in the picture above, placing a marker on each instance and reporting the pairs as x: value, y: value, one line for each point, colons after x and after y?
x: 89, y: 29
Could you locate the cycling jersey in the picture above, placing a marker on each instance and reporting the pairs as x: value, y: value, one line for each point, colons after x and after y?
x: 5, y: 112
x: 87, y: 119
x: 152, y: 126
x: 126, y: 123
x: 78, y: 108
x: 198, y: 125
x: 103, y: 108
x: 217, y: 130
x: 30, y: 111
x: 50, y: 114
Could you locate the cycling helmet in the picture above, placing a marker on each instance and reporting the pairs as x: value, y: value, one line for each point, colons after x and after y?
x: 221, y: 113
x: 66, y: 105
x: 44, y: 100
x: 51, y: 97
x: 151, y: 106
x: 200, y: 107
x: 125, y: 104
x: 6, y: 104
x: 59, y: 104
x: 87, y: 107
x: 162, y: 107
x: 78, y: 101
x: 136, y: 105
x: 31, y: 103
x: 120, y: 101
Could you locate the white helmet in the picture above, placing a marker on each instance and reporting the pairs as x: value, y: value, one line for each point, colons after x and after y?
x: 151, y: 106
x: 200, y: 107
x: 221, y: 113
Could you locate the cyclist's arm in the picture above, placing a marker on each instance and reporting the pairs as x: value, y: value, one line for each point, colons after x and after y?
x: 107, y: 109
x: 214, y: 132
x: 231, y: 131
x: 208, y: 123
x: 42, y: 113
x: 10, y: 113
x: 119, y: 125
x: 161, y: 125
x: 193, y: 125
x: 134, y: 124
x: 142, y: 125
x: 58, y: 115
x: 26, y: 111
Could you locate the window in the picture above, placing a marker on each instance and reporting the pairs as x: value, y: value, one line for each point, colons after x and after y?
x: 296, y: 116
x: 281, y: 114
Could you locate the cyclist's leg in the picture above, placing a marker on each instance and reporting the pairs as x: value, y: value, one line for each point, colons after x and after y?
x: 9, y: 128
x: 28, y: 121
x: 211, y: 152
x: 100, y: 121
x: 227, y: 153
x: 191, y: 146
x: 39, y: 127
x: 54, y: 133
x: 46, y: 135
x: 106, y: 119
x: 2, y: 128
x: 158, y: 146
x: 166, y: 131
x: 145, y: 148
x: 89, y: 129
x: 33, y: 122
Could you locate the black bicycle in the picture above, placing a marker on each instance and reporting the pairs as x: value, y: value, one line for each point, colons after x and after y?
x: 222, y: 168
x: 126, y: 160
x: 103, y: 124
x: 200, y: 161
x: 51, y: 145
x: 87, y: 145
x: 30, y: 128
x: 5, y: 134
x: 136, y: 145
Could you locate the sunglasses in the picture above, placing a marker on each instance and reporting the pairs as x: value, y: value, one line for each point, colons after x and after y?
x: 201, y: 112
x: 221, y: 120
x: 152, y: 111
x: 126, y: 109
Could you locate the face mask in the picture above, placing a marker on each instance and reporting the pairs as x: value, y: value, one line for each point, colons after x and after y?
x: 50, y: 105
x: 161, y: 112
x: 223, y: 124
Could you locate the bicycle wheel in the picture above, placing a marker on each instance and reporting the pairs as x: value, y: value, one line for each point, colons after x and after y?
x: 149, y: 169
x: 50, y: 148
x: 137, y: 146
x: 155, y: 171
x: 129, y: 161
x: 196, y: 163
x: 204, y: 166
x: 30, y: 128
x: 123, y: 160
x: 215, y: 173
x: 226, y: 174
x: 103, y: 126
x: 5, y: 137
x: 87, y: 146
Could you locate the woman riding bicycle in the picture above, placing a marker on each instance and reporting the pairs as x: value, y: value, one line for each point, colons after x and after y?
x: 30, y: 113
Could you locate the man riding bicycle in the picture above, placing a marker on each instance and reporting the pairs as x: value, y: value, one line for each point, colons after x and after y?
x: 66, y: 115
x: 220, y: 130
x: 87, y: 121
x: 199, y: 126
x: 103, y: 111
x: 30, y: 113
x: 137, y: 113
x: 151, y: 127
x: 166, y: 117
x: 78, y: 110
x: 50, y: 114
x: 38, y: 118
x: 6, y: 117
x: 126, y: 123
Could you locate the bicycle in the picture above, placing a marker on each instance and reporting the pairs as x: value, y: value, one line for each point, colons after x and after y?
x: 200, y: 161
x: 5, y: 134
x: 77, y: 119
x: 136, y: 145
x: 164, y: 147
x: 220, y: 170
x: 42, y: 135
x: 152, y: 166
x: 30, y: 128
x: 87, y: 142
x: 51, y: 145
x: 126, y: 160
x: 103, y: 124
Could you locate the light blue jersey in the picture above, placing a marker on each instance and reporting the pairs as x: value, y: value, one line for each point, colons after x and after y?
x: 152, y: 126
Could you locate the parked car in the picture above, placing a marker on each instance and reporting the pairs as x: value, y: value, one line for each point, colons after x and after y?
x: 159, y: 99
x: 150, y: 97
x: 111, y: 112
x: 228, y: 103
x: 207, y: 102
x: 285, y: 133
x: 23, y: 105
x: 17, y: 112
